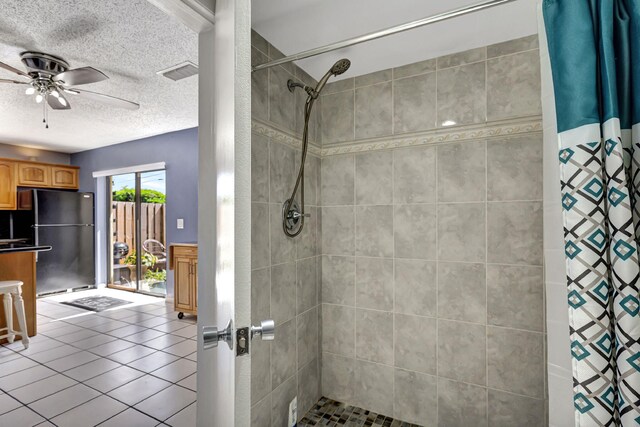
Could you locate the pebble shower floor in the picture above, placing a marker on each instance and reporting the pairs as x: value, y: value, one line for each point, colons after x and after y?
x: 329, y: 412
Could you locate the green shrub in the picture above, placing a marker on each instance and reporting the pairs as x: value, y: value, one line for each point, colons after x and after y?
x: 146, y: 196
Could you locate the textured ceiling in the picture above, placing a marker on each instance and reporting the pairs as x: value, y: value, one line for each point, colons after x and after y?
x: 129, y: 40
x: 295, y: 26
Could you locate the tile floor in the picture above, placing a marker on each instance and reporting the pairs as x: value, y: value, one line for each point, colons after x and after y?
x: 329, y: 412
x: 133, y: 365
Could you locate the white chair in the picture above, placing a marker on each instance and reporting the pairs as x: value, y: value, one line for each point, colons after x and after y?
x: 12, y: 289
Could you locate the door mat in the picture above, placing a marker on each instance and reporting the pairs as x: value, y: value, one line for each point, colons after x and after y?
x: 96, y: 303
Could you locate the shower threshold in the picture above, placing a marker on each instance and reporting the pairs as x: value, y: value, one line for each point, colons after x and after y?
x: 328, y: 412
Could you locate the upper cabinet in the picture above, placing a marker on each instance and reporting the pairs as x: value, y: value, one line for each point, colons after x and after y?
x: 34, y: 175
x: 64, y: 177
x: 7, y: 185
x: 16, y: 173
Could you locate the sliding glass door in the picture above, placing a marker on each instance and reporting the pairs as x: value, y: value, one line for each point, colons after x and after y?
x: 138, y: 255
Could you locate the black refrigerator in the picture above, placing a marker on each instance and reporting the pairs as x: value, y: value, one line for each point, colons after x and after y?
x: 65, y: 221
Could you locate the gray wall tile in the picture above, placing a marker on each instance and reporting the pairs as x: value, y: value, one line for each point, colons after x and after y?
x: 308, y: 387
x: 513, y: 86
x: 259, y: 168
x: 461, y: 58
x: 415, y: 343
x: 374, y: 231
x: 280, y: 399
x: 338, y: 280
x: 461, y: 232
x: 338, y: 377
x: 415, y: 68
x: 258, y: 42
x: 508, y: 351
x: 462, y: 95
x: 515, y: 233
x: 281, y: 172
x: 338, y: 329
x: 414, y: 103
x: 283, y: 292
x: 415, y: 287
x: 374, y: 283
x: 461, y: 172
x: 372, y: 385
x: 307, y: 242
x: 259, y: 87
x: 373, y: 329
x: 461, y: 404
x: 338, y: 117
x: 283, y: 248
x: 338, y: 180
x: 456, y: 341
x: 338, y: 86
x: 311, y: 180
x: 514, y: 169
x: 307, y: 287
x: 308, y: 336
x: 260, y: 294
x: 373, y: 111
x: 338, y: 231
x: 507, y: 410
x: 373, y: 78
x: 374, y: 178
x: 283, y: 354
x: 515, y: 297
x: 462, y: 292
x: 260, y: 251
x: 281, y: 101
x: 260, y: 370
x: 416, y: 397
x: 414, y: 175
x: 513, y: 46
x: 261, y: 413
x: 415, y: 231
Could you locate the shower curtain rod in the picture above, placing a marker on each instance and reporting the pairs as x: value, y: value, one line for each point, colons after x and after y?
x: 383, y: 33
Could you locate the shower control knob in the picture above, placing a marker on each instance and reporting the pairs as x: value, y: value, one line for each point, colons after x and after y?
x: 267, y: 330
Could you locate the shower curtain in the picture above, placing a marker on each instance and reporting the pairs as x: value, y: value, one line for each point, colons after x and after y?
x: 594, y: 51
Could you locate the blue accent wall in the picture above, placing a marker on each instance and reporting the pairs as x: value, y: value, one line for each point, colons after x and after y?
x: 179, y: 150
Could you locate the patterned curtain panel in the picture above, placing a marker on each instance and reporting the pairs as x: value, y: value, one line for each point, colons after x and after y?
x: 594, y: 49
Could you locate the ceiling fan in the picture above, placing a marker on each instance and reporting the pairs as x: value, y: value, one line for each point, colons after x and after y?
x: 50, y: 79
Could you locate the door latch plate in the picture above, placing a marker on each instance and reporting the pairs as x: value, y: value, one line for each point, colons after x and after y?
x: 242, y: 341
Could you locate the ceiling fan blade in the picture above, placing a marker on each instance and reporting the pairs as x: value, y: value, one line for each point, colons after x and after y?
x: 13, y: 81
x: 13, y: 70
x: 56, y: 104
x: 80, y: 76
x: 105, y: 99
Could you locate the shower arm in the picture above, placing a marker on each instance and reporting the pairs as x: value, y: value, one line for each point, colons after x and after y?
x: 383, y: 33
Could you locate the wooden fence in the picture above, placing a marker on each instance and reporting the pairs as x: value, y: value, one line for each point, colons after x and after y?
x: 152, y: 222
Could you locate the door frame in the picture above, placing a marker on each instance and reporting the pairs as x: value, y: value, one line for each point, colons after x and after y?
x: 224, y: 199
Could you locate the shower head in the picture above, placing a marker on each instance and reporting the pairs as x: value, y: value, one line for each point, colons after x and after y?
x: 338, y: 68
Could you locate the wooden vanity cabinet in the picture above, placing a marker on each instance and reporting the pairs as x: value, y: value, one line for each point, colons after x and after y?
x: 183, y: 260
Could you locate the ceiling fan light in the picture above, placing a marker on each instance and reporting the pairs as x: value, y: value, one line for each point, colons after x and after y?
x: 55, y: 93
x: 71, y: 91
x: 30, y: 91
x: 39, y: 98
x: 62, y: 101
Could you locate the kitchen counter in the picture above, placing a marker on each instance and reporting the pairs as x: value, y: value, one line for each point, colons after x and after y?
x: 8, y: 248
x: 18, y: 262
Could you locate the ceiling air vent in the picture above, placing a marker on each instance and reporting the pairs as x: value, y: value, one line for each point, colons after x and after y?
x: 180, y: 71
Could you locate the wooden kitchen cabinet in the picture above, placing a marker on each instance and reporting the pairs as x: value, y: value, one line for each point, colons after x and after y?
x: 8, y: 190
x: 183, y: 260
x: 18, y: 173
x: 34, y: 175
x: 64, y: 177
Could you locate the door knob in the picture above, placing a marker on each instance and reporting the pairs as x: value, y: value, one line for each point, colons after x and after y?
x: 267, y: 330
x: 211, y: 336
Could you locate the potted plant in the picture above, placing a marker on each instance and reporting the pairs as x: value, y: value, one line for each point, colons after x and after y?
x: 147, y: 261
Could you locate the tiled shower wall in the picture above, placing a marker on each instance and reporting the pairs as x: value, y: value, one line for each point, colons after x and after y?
x: 432, y: 278
x: 285, y: 273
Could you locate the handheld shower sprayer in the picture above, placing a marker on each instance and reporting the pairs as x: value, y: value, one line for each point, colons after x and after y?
x: 293, y: 215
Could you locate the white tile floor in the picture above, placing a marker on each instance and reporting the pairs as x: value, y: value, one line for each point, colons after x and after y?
x: 133, y: 365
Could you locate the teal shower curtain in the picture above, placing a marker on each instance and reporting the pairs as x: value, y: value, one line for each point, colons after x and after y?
x: 594, y: 51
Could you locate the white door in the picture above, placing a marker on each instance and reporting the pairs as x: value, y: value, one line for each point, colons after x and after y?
x: 224, y: 212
